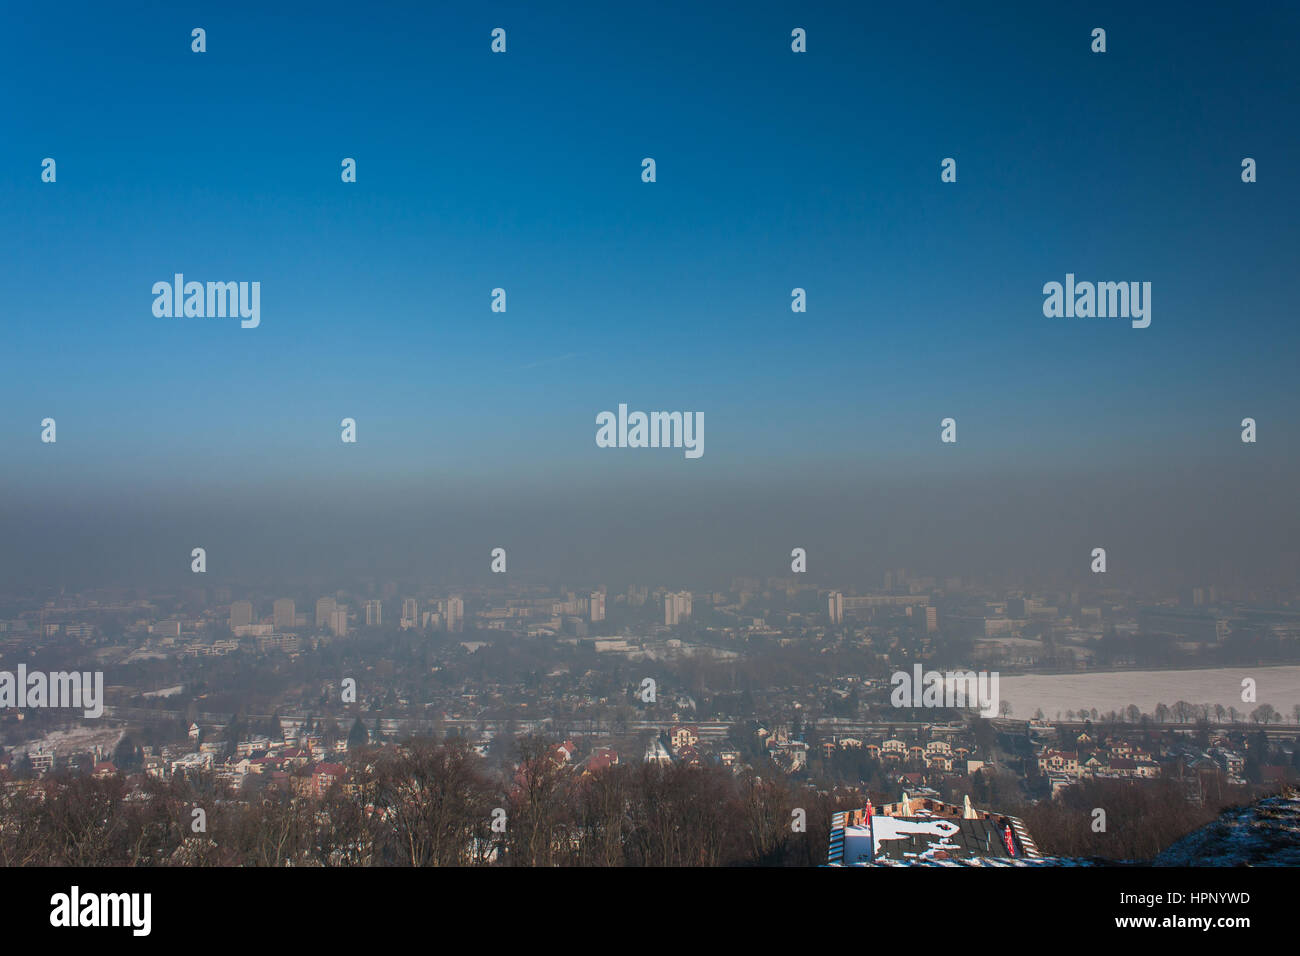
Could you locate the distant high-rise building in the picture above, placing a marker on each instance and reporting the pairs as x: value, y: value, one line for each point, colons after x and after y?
x: 835, y: 603
x: 637, y: 595
x: 571, y: 605
x: 241, y: 614
x: 338, y: 622
x: 677, y: 607
x: 410, y: 612
x: 374, y: 614
x: 324, y: 609
x: 931, y: 619
x: 455, y: 614
x: 597, y: 606
x: 284, y: 614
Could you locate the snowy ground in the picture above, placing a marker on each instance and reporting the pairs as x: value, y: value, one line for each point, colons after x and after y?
x: 1279, y: 686
x: 1264, y: 834
x: 74, y: 740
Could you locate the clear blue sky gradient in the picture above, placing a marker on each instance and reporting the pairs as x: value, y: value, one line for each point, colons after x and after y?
x: 522, y: 170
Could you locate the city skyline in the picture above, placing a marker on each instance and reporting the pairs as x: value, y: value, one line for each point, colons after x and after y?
x: 645, y: 441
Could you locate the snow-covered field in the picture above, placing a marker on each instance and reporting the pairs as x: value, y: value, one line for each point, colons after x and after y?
x: 1057, y: 694
x: 73, y: 740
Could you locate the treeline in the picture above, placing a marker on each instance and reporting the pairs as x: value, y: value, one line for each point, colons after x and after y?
x: 432, y: 804
x: 1122, y: 819
x: 427, y: 804
x: 1247, y: 644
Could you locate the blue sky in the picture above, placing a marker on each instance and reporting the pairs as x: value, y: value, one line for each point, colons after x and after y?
x: 522, y: 170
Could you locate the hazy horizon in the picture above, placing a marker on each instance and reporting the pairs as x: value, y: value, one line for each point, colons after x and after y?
x: 821, y: 171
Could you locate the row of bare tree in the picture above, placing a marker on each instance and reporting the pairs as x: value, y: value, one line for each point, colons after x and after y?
x: 432, y: 804
x: 427, y: 804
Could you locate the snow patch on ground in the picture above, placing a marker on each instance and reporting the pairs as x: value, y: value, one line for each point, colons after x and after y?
x: 61, y: 743
x: 1266, y: 833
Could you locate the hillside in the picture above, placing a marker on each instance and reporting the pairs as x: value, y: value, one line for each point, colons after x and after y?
x: 1266, y: 833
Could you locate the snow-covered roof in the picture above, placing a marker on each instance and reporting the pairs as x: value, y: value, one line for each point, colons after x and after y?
x: 921, y: 835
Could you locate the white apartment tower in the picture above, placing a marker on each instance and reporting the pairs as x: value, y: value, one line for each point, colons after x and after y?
x: 324, y: 608
x: 338, y: 622
x: 410, y: 612
x: 677, y: 607
x: 836, y: 607
x: 285, y: 612
x: 241, y: 613
x: 455, y: 614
